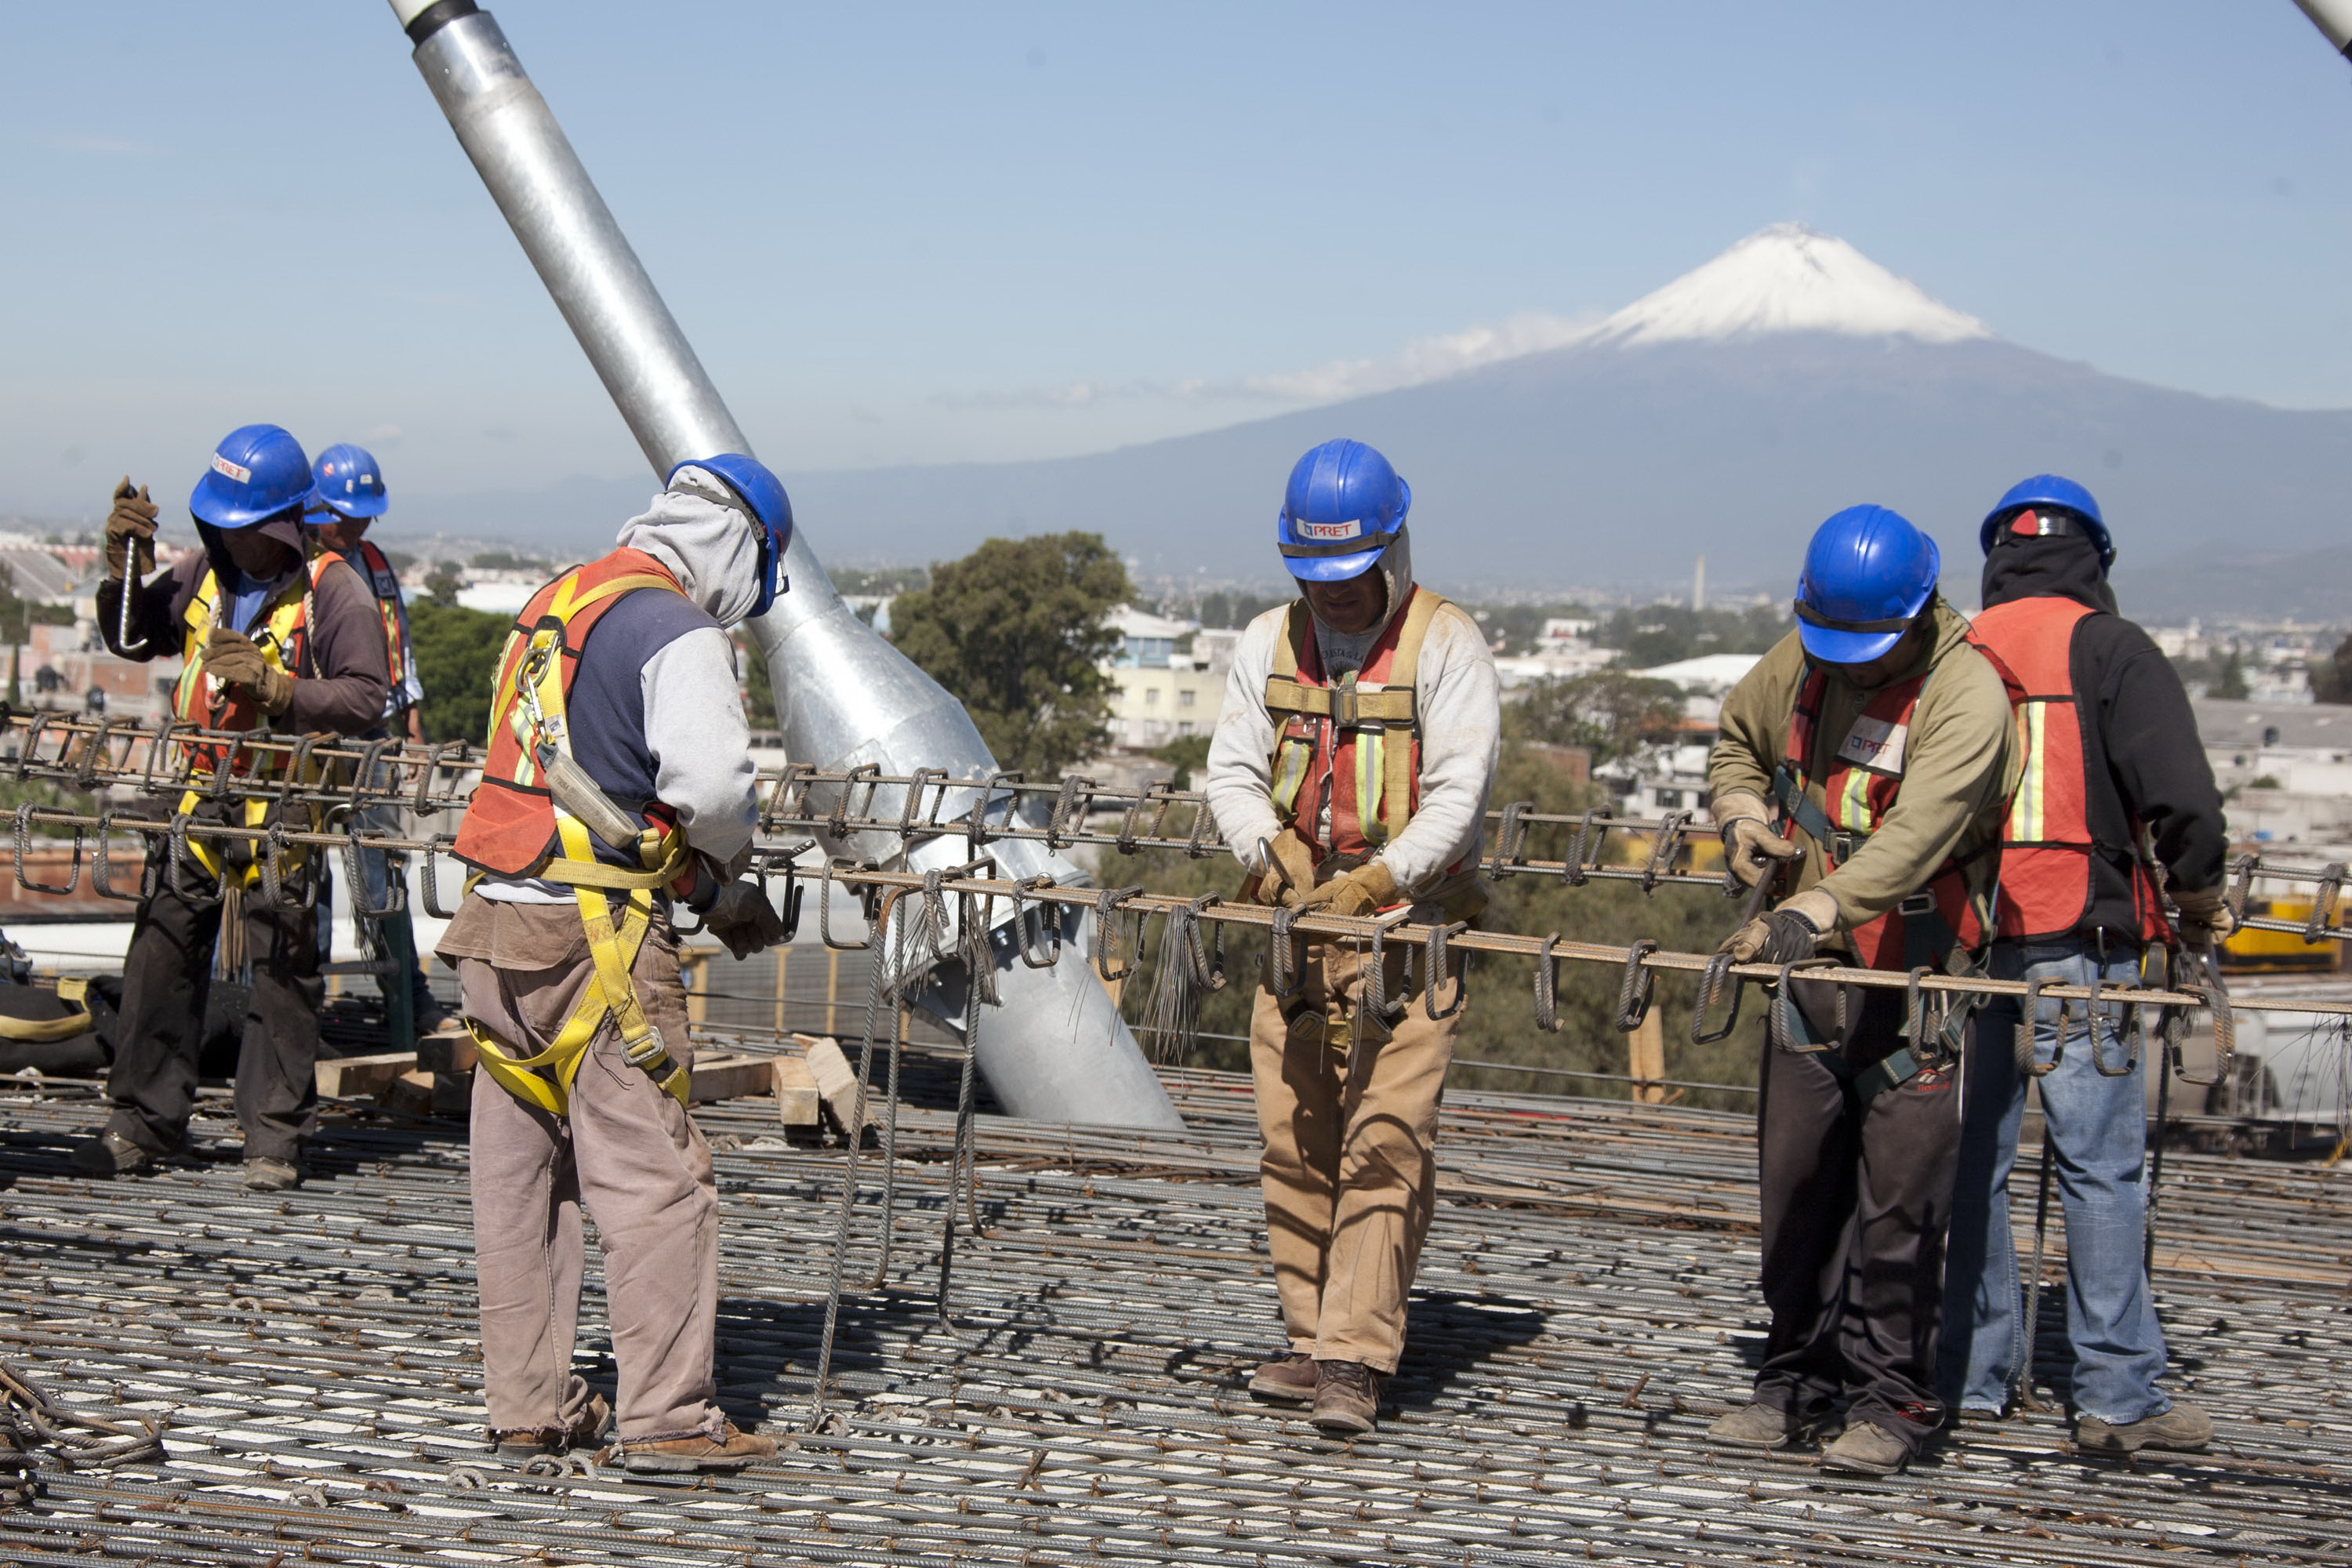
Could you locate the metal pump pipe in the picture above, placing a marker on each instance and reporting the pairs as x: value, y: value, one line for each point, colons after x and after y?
x: 1057, y: 1048
x: 2333, y: 17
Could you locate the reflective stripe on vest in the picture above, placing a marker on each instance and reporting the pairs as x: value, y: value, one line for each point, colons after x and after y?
x: 1361, y: 735
x: 510, y: 823
x: 2047, y: 844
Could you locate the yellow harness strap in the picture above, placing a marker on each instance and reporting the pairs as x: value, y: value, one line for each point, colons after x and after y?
x: 535, y: 709
x: 72, y: 988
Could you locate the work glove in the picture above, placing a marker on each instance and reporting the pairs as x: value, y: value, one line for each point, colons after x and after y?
x: 1288, y: 871
x: 131, y: 526
x: 2206, y: 921
x: 1787, y: 934
x: 1362, y: 891
x: 1750, y: 848
x: 742, y: 918
x: 232, y: 657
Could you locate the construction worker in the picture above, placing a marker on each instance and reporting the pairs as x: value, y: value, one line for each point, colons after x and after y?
x: 1883, y: 740
x: 619, y: 778
x: 269, y: 640
x: 352, y: 496
x: 1349, y: 769
x: 2113, y: 772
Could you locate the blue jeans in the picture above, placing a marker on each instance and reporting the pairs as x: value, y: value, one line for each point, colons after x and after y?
x: 2097, y: 1127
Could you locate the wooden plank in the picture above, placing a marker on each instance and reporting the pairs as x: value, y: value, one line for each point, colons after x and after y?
x: 796, y: 1096
x: 1646, y: 1050
x: 452, y: 1052
x: 727, y: 1078
x: 346, y: 1077
x: 837, y: 1083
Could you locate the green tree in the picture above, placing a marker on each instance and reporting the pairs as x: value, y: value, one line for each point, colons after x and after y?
x: 457, y: 658
x: 1608, y: 710
x: 1015, y: 632
x: 2331, y: 680
x: 2230, y: 677
x: 443, y: 584
x: 1188, y: 754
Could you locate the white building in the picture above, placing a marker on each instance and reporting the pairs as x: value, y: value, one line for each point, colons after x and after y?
x: 1158, y: 694
x: 2285, y: 769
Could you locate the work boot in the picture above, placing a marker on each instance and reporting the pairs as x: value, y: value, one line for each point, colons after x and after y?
x: 1759, y: 1425
x: 530, y: 1442
x: 1346, y: 1397
x: 112, y: 1154
x: 264, y: 1174
x: 1867, y: 1448
x: 2182, y: 1428
x: 1285, y: 1380
x: 682, y: 1456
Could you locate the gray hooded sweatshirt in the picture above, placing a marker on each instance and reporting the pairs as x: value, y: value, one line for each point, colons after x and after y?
x: 694, y: 721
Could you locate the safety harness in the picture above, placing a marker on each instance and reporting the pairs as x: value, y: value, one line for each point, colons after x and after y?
x: 529, y: 729
x: 1362, y: 733
x: 1938, y: 927
x: 285, y: 640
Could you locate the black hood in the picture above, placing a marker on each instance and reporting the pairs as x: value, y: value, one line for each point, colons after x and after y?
x: 2064, y: 566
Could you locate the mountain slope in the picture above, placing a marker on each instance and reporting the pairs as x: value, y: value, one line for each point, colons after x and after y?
x: 1727, y: 413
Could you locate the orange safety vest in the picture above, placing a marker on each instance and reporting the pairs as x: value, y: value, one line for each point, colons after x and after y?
x: 2046, y: 844
x: 510, y: 826
x: 1360, y: 737
x: 283, y: 637
x: 1864, y: 778
x: 514, y: 826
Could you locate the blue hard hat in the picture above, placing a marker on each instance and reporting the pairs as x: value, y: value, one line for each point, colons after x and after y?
x: 2042, y: 494
x: 764, y: 493
x: 1343, y: 507
x: 257, y: 473
x: 348, y: 480
x: 1868, y: 573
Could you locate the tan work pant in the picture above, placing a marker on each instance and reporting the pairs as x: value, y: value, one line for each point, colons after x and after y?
x: 1350, y: 1171
x: 627, y: 1151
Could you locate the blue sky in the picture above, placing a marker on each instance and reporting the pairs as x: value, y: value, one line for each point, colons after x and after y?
x: 915, y: 234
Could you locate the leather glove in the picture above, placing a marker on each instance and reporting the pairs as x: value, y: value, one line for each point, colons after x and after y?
x: 1750, y: 847
x: 1787, y: 934
x: 1288, y: 871
x: 1362, y: 891
x: 742, y: 918
x: 233, y: 657
x: 131, y: 526
x: 2206, y: 921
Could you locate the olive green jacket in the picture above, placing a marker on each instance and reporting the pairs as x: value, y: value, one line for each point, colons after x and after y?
x: 1961, y: 764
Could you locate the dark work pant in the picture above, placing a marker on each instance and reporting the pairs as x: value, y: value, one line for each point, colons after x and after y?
x: 165, y: 981
x: 1856, y: 1202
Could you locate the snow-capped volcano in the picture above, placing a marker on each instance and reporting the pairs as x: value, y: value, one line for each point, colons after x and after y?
x: 1786, y: 279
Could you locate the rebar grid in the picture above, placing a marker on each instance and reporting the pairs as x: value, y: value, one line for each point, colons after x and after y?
x: 866, y: 808
x: 1585, y: 1306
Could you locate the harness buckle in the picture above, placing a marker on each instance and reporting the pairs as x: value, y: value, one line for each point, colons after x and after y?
x: 1919, y: 903
x: 1346, y: 708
